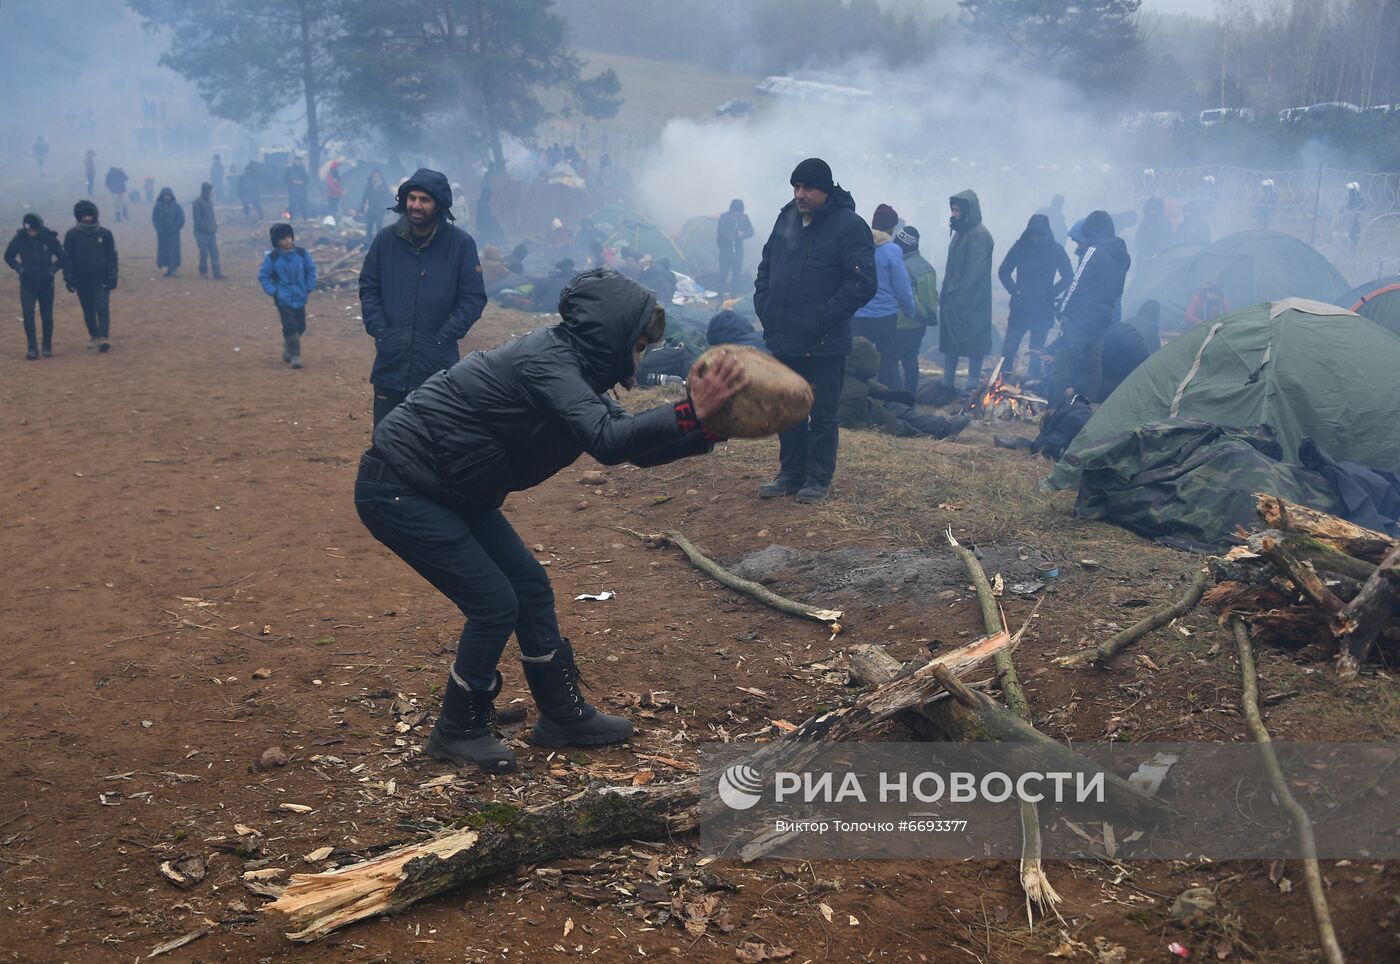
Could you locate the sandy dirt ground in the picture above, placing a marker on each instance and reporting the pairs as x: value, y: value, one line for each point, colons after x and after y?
x: 189, y: 587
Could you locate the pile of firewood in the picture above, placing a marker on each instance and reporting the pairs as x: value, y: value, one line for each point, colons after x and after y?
x: 1307, y: 579
x: 336, y: 267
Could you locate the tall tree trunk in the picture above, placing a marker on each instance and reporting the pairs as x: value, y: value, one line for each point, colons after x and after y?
x: 488, y: 99
x: 311, y: 91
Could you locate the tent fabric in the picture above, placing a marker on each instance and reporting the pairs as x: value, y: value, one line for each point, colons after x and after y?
x: 645, y: 238
x: 1152, y: 275
x: 696, y: 239
x: 1289, y: 365
x: 611, y: 217
x: 1378, y: 300
x: 1250, y: 267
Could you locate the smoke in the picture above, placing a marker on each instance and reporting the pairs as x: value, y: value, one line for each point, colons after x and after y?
x: 966, y: 120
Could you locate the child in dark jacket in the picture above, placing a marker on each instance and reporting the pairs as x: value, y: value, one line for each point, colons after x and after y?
x: 288, y: 275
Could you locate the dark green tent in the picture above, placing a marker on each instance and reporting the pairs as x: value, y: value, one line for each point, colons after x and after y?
x: 1304, y: 368
x: 1149, y: 277
x: 644, y: 238
x: 1379, y: 301
x: 1250, y: 267
x: 696, y: 239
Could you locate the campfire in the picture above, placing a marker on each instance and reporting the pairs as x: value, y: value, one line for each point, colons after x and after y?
x: 998, y: 398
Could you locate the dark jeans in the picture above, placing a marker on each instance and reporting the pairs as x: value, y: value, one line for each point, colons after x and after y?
x: 374, y: 221
x: 1015, y: 331
x: 906, y: 352
x: 94, y: 297
x: 296, y: 203
x: 474, y: 559
x: 208, y: 252
x: 881, y: 333
x: 294, y: 322
x: 807, y: 452
x: 731, y: 267
x: 385, y: 401
x: 1078, y: 364
x: 38, y: 291
x: 974, y: 371
x: 252, y: 204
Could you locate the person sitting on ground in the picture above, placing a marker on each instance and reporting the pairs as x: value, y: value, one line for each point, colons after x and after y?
x: 443, y: 462
x: 727, y: 328
x: 1124, y: 349
x: 658, y: 276
x: 867, y: 403
x: 1207, y: 304
x: 545, y: 292
x: 1147, y: 321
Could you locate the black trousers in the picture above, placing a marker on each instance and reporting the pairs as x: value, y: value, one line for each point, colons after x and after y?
x: 906, y: 352
x: 475, y: 559
x: 807, y: 452
x: 294, y: 323
x: 385, y: 401
x: 731, y: 267
x: 32, y: 292
x: 1015, y: 332
x: 94, y: 296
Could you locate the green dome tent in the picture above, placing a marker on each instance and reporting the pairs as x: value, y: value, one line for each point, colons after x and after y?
x: 644, y: 238
x: 1251, y: 267
x: 696, y: 239
x: 1379, y: 301
x: 1149, y: 277
x: 610, y: 217
x: 1306, y: 369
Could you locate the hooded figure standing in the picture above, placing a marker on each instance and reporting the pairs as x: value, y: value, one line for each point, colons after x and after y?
x: 501, y: 421
x: 168, y: 218
x: 36, y: 256
x: 733, y: 228
x: 965, y: 306
x: 1154, y: 232
x: 375, y: 200
x: 421, y: 290
x: 90, y: 269
x: 206, y: 229
x: 909, y: 331
x: 818, y: 268
x: 877, y: 320
x: 1035, y: 272
x: 1089, y: 308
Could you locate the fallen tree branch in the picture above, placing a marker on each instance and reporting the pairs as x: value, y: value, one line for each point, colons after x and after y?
x: 1344, y: 536
x: 1303, y: 577
x: 1360, y: 621
x: 504, y: 836
x: 1124, y: 638
x: 1034, y: 880
x: 1249, y: 701
x: 722, y: 575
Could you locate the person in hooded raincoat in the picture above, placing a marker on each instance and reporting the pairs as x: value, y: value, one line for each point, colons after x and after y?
x: 1035, y: 272
x: 421, y: 290
x: 1090, y: 306
x: 501, y: 421
x: 1154, y: 232
x: 965, y: 305
x: 733, y: 228
x: 168, y: 218
x: 206, y: 232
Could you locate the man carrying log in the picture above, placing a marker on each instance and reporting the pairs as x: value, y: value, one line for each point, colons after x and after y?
x: 442, y: 463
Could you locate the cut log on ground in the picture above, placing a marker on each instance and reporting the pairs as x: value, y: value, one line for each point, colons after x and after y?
x: 1344, y: 536
x: 503, y: 836
x: 1361, y: 620
x: 1120, y: 641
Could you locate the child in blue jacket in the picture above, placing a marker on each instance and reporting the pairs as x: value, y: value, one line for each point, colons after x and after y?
x: 288, y: 275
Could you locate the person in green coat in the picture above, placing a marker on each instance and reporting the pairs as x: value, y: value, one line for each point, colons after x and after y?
x: 965, y: 308
x: 909, y: 331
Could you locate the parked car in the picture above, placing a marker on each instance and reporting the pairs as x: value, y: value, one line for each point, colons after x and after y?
x: 1209, y: 118
x: 735, y: 108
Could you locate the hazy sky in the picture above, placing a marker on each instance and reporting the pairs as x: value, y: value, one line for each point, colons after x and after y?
x: 1201, y: 8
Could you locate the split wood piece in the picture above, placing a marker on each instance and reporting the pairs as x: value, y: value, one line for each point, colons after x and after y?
x: 1358, y: 623
x: 1302, y: 575
x: 501, y: 837
x: 1325, y: 558
x: 1249, y: 701
x: 1121, y: 640
x: 1034, y: 881
x: 972, y: 717
x: 722, y: 575
x: 1344, y: 536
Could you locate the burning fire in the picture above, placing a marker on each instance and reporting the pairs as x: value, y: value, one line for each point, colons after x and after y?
x: 1005, y: 399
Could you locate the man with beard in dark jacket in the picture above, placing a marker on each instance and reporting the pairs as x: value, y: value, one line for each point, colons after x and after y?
x: 1089, y: 308
x: 90, y: 269
x: 1035, y: 272
x: 206, y: 230
x: 818, y: 268
x: 421, y: 290
x: 36, y: 256
x: 501, y: 421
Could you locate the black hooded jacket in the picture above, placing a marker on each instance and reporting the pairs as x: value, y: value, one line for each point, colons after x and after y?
x: 89, y: 251
x: 1035, y: 272
x: 418, y: 301
x: 812, y: 279
x: 37, y: 259
x: 504, y: 420
x: 1092, y: 300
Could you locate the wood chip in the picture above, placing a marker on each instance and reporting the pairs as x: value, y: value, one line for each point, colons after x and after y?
x: 179, y: 942
x: 751, y: 690
x: 679, y: 765
x: 295, y: 807
x: 319, y: 854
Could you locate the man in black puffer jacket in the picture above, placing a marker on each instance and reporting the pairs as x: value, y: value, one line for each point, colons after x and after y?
x: 502, y: 421
x: 818, y: 269
x: 90, y: 269
x: 1090, y: 305
x: 420, y: 290
x: 35, y: 254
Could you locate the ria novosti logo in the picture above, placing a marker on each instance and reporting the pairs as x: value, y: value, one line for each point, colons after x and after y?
x: 740, y: 787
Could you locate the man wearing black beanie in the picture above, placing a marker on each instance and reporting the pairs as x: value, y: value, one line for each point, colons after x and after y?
x: 818, y: 269
x: 36, y: 256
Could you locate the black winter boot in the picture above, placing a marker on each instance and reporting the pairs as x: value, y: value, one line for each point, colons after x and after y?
x: 566, y: 719
x: 467, y: 738
x: 294, y: 347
